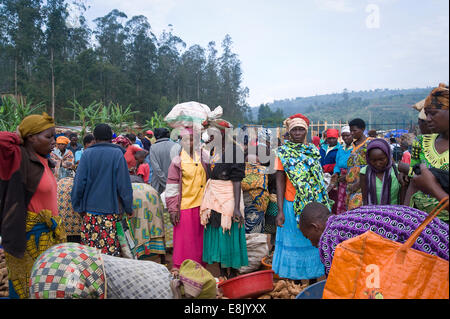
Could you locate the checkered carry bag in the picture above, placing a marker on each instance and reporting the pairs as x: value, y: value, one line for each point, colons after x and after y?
x: 136, y: 279
x: 68, y: 271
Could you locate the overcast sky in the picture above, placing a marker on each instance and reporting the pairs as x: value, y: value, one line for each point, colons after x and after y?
x: 298, y: 48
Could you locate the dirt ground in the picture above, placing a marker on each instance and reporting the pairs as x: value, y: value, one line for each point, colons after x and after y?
x: 213, y: 269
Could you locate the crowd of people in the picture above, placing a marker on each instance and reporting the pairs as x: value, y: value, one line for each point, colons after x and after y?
x: 198, y: 197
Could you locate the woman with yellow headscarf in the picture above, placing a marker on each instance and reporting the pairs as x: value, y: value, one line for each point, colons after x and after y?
x: 29, y: 224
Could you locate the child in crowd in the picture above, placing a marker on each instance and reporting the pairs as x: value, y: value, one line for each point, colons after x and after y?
x: 379, y: 179
x: 142, y: 168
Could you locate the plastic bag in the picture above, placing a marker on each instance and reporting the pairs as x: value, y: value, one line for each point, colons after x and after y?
x: 257, y: 249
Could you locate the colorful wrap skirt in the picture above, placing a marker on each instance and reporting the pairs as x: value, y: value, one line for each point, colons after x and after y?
x: 71, y: 220
x: 295, y: 257
x: 100, y: 231
x: 43, y: 231
x: 168, y: 229
x: 342, y: 195
x: 147, y: 224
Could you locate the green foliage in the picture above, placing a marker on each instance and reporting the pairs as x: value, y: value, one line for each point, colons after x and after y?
x: 95, y: 113
x: 269, y: 118
x: 156, y: 121
x: 13, y: 111
x: 128, y: 64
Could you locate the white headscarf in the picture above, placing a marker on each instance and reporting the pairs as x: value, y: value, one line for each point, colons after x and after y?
x: 345, y: 129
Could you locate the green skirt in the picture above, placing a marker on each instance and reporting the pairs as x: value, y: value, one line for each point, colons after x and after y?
x: 228, y: 248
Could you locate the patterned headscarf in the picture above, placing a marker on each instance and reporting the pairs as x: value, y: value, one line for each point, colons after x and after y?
x: 34, y: 124
x: 296, y: 120
x: 122, y: 140
x: 438, y: 98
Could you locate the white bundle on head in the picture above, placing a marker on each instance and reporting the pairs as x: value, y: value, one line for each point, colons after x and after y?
x: 191, y: 114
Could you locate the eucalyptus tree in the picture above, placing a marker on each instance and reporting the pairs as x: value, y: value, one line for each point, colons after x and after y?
x: 142, y: 60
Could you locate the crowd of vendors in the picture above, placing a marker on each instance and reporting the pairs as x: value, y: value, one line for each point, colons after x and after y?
x: 198, y: 190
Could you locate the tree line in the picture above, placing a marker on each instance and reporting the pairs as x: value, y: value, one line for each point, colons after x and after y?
x: 121, y: 61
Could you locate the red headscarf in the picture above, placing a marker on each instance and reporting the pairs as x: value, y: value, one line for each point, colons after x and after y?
x: 332, y: 133
x: 316, y: 141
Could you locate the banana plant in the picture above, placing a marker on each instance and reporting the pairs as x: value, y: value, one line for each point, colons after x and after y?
x: 157, y: 120
x: 13, y: 111
x: 119, y: 117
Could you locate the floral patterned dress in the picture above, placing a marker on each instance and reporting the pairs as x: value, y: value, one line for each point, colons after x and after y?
x: 355, y: 162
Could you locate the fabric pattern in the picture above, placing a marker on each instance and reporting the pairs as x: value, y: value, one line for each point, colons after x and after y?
x: 68, y: 271
x: 424, y: 152
x: 393, y: 222
x: 147, y: 224
x: 342, y: 195
x: 301, y: 162
x: 356, y: 160
x: 136, y: 279
x: 71, y: 220
x: 256, y: 183
x: 99, y: 231
x: 254, y: 220
x: 270, y: 226
x: 43, y: 230
x: 63, y: 163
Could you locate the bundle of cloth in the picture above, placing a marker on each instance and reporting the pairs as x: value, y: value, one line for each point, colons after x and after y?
x: 191, y: 114
x: 74, y: 271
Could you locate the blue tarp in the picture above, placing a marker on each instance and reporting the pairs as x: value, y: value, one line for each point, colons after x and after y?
x: 396, y: 133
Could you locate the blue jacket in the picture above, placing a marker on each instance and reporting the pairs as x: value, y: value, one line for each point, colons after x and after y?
x: 102, y: 179
x: 341, y: 159
x: 328, y: 160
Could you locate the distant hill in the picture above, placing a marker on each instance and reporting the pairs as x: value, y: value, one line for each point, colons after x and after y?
x: 380, y: 106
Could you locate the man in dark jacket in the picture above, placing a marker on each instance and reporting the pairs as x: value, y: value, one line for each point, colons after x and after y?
x: 102, y: 188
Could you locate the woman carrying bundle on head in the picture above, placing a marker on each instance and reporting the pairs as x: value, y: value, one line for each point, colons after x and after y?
x: 185, y: 188
x: 29, y: 221
x: 299, y: 182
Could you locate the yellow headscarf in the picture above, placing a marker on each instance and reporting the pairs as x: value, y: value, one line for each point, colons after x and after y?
x: 438, y: 98
x: 34, y: 124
